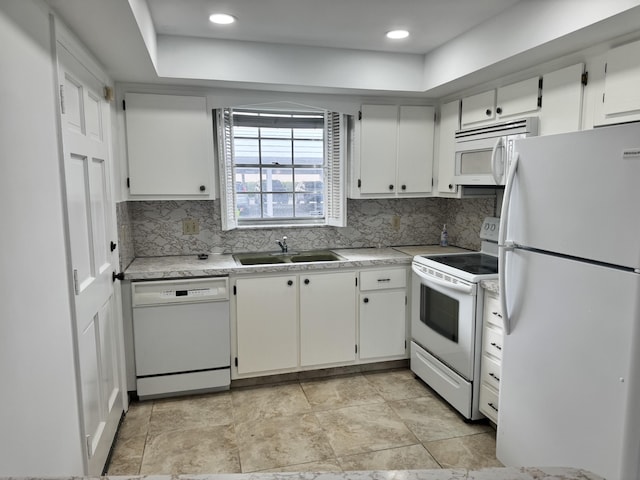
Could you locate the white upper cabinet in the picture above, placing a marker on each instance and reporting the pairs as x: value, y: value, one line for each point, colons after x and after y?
x: 444, y: 162
x: 562, y: 93
x: 393, y: 152
x: 169, y: 146
x: 505, y: 103
x: 621, y: 96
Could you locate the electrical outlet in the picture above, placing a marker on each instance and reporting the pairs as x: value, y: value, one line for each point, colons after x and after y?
x: 395, y: 222
x: 190, y: 226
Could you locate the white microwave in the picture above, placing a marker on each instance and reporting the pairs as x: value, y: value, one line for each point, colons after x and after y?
x: 483, y: 154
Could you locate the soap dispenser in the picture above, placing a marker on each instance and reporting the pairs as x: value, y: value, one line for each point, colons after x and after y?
x: 444, y: 236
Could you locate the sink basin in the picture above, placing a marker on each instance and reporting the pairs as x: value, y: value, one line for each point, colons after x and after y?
x: 293, y: 257
x: 315, y: 257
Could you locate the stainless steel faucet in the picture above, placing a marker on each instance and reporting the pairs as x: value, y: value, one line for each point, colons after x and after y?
x: 283, y: 244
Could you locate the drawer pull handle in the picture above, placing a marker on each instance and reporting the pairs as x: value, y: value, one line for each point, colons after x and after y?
x: 494, y: 376
x: 497, y: 314
x: 492, y: 406
x: 384, y: 279
x: 494, y: 344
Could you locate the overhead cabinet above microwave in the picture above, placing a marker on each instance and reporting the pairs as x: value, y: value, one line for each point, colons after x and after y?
x: 508, y: 102
x: 169, y: 146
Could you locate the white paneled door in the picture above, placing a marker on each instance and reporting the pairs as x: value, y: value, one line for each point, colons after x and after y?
x: 85, y: 125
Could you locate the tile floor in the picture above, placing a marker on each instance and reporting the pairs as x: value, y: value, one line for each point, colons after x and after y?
x: 367, y: 421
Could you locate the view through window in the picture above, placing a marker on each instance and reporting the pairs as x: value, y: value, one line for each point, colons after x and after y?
x: 278, y: 165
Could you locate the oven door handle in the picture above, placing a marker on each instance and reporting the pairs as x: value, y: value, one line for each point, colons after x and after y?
x: 468, y: 289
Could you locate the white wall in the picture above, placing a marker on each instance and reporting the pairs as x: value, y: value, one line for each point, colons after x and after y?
x: 39, y: 417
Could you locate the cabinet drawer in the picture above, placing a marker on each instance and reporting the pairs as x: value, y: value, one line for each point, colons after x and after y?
x: 492, y: 342
x: 383, y: 279
x: 489, y: 403
x: 490, y: 372
x: 492, y: 309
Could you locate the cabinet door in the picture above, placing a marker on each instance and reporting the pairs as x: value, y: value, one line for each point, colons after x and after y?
x: 478, y: 108
x: 266, y: 324
x: 621, y: 93
x: 446, y: 158
x: 415, y: 149
x: 382, y: 324
x: 169, y: 139
x: 378, y: 148
x: 518, y: 99
x: 561, y: 110
x: 327, y: 318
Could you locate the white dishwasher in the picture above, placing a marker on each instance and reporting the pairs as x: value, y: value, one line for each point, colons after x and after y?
x: 181, y: 336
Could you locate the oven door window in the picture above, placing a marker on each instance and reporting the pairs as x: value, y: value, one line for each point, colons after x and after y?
x: 439, y: 312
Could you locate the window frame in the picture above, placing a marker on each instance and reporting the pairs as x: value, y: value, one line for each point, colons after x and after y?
x: 334, y: 173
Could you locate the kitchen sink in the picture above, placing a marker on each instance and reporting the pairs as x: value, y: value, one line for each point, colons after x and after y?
x: 280, y: 258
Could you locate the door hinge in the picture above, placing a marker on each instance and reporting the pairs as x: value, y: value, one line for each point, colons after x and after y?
x: 356, y: 348
x: 540, y: 101
x: 359, y: 183
x: 128, y: 182
x: 605, y: 68
x: 235, y: 292
x: 360, y: 115
x: 603, y: 98
x: 405, y: 344
x: 236, y: 361
x: 584, y: 78
x: 87, y: 438
x: 356, y: 281
x: 113, y: 245
x: 62, y: 99
x: 124, y: 105
x: 108, y: 93
x: 76, y: 284
x: 405, y: 299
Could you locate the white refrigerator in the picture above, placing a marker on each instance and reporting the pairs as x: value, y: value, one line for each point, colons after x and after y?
x: 570, y: 285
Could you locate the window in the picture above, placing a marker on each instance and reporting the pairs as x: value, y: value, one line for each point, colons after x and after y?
x: 281, y: 168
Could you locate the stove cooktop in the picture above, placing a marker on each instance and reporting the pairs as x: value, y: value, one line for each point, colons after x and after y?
x: 473, y: 266
x: 475, y: 263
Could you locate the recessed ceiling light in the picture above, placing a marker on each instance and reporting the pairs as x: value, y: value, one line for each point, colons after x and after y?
x: 222, y: 18
x: 397, y: 34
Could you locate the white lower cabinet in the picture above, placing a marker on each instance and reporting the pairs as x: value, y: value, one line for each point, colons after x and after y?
x: 266, y: 324
x: 327, y: 318
x: 319, y: 319
x: 383, y: 314
x: 490, y: 370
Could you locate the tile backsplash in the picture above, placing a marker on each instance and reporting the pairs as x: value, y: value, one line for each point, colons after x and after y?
x: 154, y: 228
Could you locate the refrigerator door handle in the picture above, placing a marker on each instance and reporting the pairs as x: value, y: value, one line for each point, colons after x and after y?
x: 504, y: 246
x: 494, y: 161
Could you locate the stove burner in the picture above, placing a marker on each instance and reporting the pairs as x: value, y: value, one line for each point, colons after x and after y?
x: 474, y: 263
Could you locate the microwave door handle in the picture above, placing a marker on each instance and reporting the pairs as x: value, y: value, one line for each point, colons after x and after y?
x: 468, y: 289
x: 494, y: 161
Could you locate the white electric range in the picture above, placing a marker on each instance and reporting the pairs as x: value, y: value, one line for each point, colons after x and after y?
x: 446, y: 319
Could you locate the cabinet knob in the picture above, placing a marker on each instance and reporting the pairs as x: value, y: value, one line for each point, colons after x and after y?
x: 366, y: 300
x: 450, y: 186
x: 307, y: 281
x: 290, y: 282
x: 499, y: 110
x: 202, y: 188
x: 390, y: 187
x: 404, y: 187
x: 488, y: 112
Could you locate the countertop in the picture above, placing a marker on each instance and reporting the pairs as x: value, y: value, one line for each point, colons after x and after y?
x: 491, y: 285
x: 179, y: 266
x: 530, y: 473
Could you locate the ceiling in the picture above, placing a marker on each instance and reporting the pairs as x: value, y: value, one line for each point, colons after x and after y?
x: 350, y: 24
x: 338, y: 46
